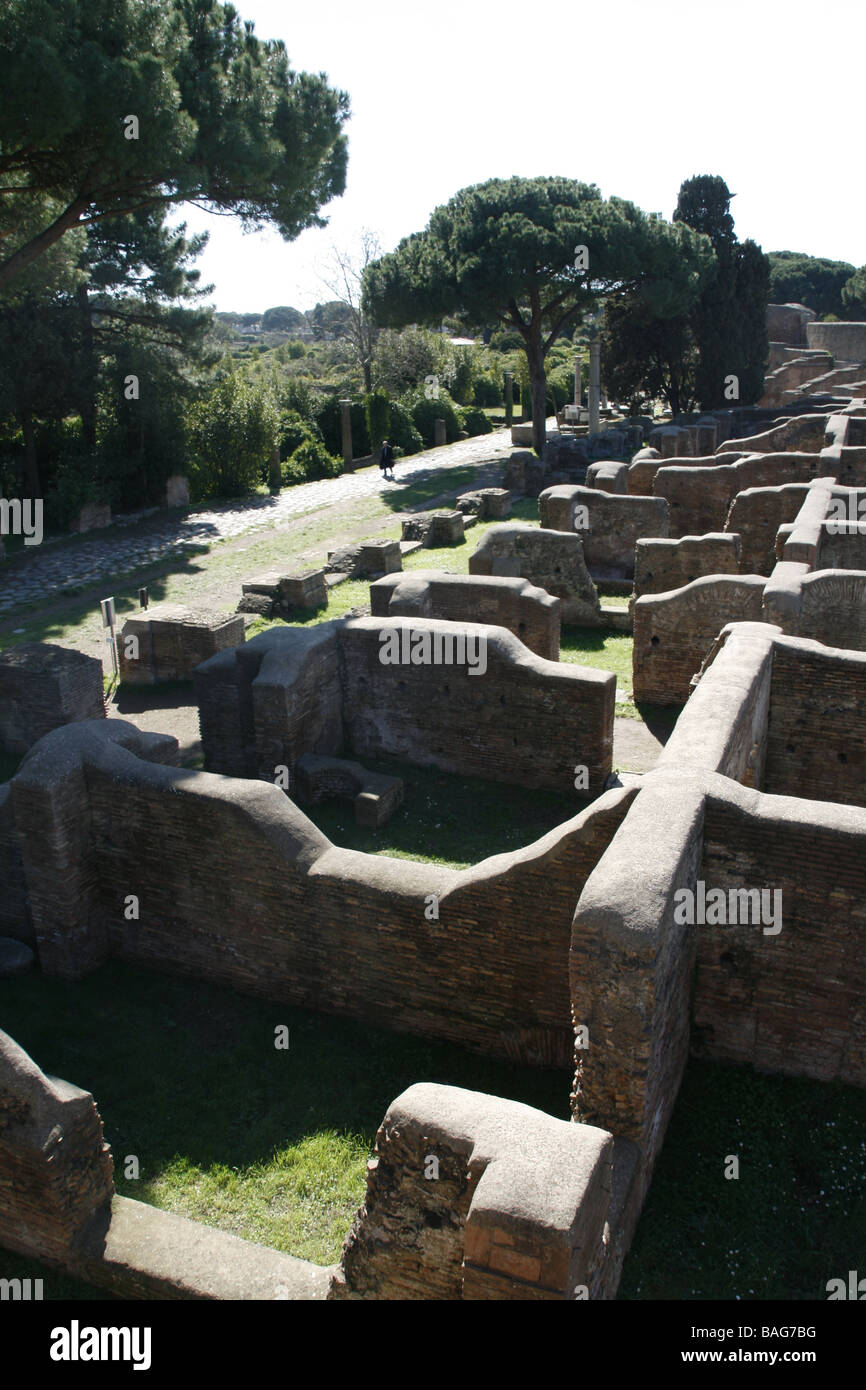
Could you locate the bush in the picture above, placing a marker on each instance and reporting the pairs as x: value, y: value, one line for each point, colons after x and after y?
x: 293, y: 431
x: 329, y: 416
x: 378, y: 412
x: 309, y: 462
x: 403, y: 434
x: 488, y: 391
x: 232, y: 436
x: 426, y: 412
x: 72, y: 488
x: 475, y: 421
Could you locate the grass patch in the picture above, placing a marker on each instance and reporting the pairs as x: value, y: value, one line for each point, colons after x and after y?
x: 795, y: 1217
x: 447, y: 819
x: 609, y: 651
x: 228, y: 1131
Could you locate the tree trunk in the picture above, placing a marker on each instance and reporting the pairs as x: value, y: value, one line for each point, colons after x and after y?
x: 538, y: 386
x: 88, y: 399
x: 32, y: 484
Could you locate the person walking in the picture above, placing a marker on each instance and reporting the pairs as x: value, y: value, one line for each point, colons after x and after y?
x: 386, y: 460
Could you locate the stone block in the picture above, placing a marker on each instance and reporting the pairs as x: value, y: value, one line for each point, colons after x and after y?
x: 43, y: 686
x: 434, y: 529
x: 552, y: 560
x: 172, y: 640
x: 177, y: 491
x: 92, y: 517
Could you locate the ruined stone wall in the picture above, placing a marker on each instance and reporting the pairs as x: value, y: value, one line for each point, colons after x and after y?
x: 523, y: 721
x: 673, y: 632
x: 516, y: 1209
x: 662, y: 565
x: 756, y: 515
x: 270, y: 701
x: 609, y: 526
x: 842, y: 545
x: 700, y: 498
x: 631, y: 967
x: 14, y: 914
x: 530, y: 613
x: 55, y: 1169
x: 816, y: 741
x: 790, y: 1001
x: 236, y: 885
x: 43, y: 686
x: 796, y: 433
x: 833, y: 608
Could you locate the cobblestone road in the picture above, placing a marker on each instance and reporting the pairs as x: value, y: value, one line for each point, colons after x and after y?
x: 51, y: 569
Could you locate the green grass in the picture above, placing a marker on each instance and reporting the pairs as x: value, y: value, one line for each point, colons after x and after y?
x: 447, y: 819
x: 793, y: 1219
x: 271, y: 1145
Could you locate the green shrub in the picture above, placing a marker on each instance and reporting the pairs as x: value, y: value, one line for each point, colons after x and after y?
x: 474, y: 421
x: 378, y: 412
x: 426, y: 412
x: 294, y: 349
x: 232, y: 433
x: 329, y: 416
x: 487, y: 391
x: 71, y: 489
x: 310, y: 461
x: 403, y: 434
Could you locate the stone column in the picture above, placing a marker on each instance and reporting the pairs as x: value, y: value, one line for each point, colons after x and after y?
x: 439, y: 435
x: 578, y: 388
x: 594, y: 383
x: 275, y: 474
x: 509, y: 398
x: 346, y: 408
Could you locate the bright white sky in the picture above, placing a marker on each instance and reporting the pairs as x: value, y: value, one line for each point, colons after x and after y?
x: 634, y: 95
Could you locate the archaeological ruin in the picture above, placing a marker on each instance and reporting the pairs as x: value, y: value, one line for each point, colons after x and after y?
x: 710, y: 907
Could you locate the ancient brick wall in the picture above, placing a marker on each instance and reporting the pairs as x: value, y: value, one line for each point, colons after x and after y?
x: 833, y: 608
x: 523, y: 721
x: 755, y: 515
x: 843, y: 546
x: 43, y: 686
x: 790, y: 1001
x: 530, y: 613
x: 631, y: 967
x: 816, y: 738
x: 700, y: 498
x: 673, y: 632
x: 662, y: 565
x: 55, y: 1169
x: 472, y: 1197
x: 236, y: 885
x: 270, y: 701
x: 723, y: 727
x: 610, y: 526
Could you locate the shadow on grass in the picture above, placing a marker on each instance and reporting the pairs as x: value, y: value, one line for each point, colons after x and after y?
x: 795, y: 1216
x: 181, y: 1067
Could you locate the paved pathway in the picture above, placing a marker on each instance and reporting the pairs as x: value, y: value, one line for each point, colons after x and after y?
x: 51, y: 569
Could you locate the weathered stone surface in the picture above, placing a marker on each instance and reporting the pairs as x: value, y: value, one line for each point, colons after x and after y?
x: 43, y: 686
x: 257, y: 603
x: 608, y: 476
x: 172, y: 640
x: 15, y: 958
x: 661, y: 565
x: 177, y: 491
x: 375, y: 797
x: 674, y: 631
x: 529, y: 612
x: 240, y: 853
x: 517, y: 1208
x: 609, y: 525
x: 550, y: 560
x: 365, y: 560
x: 434, y: 529
x: 56, y: 1169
